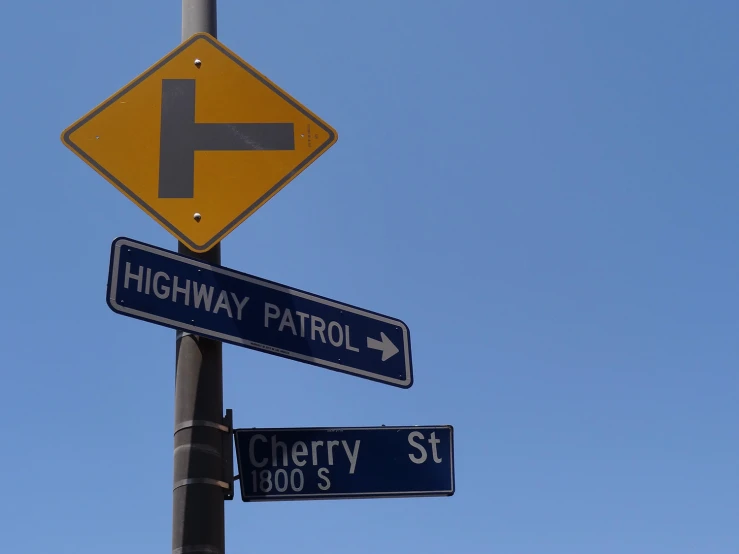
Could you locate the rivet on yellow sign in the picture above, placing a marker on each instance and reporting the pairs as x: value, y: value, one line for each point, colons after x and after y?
x: 200, y: 141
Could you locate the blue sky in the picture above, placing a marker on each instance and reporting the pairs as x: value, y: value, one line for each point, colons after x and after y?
x: 545, y: 192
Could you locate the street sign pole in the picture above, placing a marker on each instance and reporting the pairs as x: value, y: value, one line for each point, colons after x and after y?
x: 199, y: 485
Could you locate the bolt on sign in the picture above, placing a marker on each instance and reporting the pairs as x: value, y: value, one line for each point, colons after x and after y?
x: 200, y: 141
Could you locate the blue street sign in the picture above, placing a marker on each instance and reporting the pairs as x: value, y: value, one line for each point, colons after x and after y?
x: 354, y: 462
x: 169, y: 289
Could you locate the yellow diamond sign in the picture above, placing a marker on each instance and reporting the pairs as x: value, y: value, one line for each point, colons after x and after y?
x: 200, y: 141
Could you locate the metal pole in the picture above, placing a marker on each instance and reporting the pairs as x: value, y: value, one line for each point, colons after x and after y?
x: 199, y: 480
x: 199, y: 16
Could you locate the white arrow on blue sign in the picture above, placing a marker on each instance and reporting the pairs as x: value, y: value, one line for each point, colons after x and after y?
x: 351, y: 462
x: 169, y: 289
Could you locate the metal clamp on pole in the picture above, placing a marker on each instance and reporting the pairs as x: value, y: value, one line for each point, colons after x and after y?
x: 201, y: 481
x: 202, y: 423
x: 228, y: 455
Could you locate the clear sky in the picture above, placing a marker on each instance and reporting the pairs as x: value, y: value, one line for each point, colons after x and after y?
x: 545, y: 192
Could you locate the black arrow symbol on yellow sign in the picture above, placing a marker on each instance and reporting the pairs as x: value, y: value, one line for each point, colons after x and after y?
x: 181, y: 137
